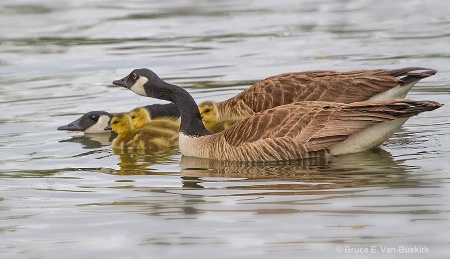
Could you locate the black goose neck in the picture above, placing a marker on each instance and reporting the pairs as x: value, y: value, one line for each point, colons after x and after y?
x: 191, y: 121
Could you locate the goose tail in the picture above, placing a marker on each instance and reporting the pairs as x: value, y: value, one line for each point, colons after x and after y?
x: 407, y: 78
x: 399, y: 110
x: 410, y: 75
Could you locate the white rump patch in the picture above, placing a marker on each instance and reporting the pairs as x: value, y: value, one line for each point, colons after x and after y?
x: 369, y: 138
x: 100, y: 126
x: 398, y: 92
x: 138, y: 86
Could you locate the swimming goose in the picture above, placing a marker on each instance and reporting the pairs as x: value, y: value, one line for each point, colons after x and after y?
x: 210, y: 117
x: 150, y: 137
x: 341, y: 87
x: 96, y: 121
x: 141, y: 117
x: 292, y: 131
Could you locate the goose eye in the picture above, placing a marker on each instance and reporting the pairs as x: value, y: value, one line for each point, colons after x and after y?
x: 94, y: 117
x: 134, y: 76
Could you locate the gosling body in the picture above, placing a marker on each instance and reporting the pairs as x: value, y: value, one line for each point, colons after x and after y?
x: 141, y: 117
x: 149, y: 137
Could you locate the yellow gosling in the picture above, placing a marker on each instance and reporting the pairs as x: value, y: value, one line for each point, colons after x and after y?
x: 210, y: 117
x: 141, y: 117
x: 148, y: 137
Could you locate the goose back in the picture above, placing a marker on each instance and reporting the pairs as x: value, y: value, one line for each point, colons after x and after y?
x: 341, y: 87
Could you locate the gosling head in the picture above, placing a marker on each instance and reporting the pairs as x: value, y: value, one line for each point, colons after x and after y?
x: 139, y: 117
x: 136, y: 80
x: 120, y: 123
x: 91, y: 122
x: 208, y: 111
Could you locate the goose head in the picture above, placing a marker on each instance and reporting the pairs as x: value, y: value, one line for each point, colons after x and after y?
x: 145, y: 82
x: 137, y: 80
x: 91, y: 122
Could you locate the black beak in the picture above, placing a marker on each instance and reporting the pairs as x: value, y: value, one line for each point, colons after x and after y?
x: 121, y: 82
x: 73, y: 126
x: 108, y: 127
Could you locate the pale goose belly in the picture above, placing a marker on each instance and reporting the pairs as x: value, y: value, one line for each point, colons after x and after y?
x: 398, y: 92
x: 193, y: 146
x: 369, y: 138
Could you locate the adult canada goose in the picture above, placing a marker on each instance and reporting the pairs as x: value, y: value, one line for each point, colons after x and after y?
x: 292, y: 131
x: 149, y: 137
x: 210, y: 117
x: 141, y: 117
x: 96, y: 121
x: 341, y: 87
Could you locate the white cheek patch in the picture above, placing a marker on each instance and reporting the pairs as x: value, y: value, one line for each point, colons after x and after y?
x: 100, y: 126
x: 138, y: 86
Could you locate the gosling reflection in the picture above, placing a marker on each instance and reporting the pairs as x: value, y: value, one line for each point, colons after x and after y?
x: 140, y: 162
x: 90, y: 141
x: 371, y: 168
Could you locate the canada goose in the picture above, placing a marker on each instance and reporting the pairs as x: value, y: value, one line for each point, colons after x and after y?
x: 341, y: 87
x: 149, y: 137
x: 293, y: 131
x: 210, y: 117
x: 96, y: 121
x: 141, y: 117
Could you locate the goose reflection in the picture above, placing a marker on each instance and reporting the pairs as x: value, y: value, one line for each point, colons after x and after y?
x: 90, y: 141
x: 371, y: 168
x: 139, y: 162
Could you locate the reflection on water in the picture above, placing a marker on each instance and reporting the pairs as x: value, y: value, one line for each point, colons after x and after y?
x: 90, y: 141
x: 67, y: 195
x: 142, y: 161
x: 365, y: 169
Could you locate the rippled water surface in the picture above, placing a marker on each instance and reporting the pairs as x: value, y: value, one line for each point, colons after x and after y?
x: 68, y: 195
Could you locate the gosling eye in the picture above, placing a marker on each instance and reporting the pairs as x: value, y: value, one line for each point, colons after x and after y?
x: 207, y: 110
x: 115, y: 122
x: 94, y: 117
x: 133, y: 117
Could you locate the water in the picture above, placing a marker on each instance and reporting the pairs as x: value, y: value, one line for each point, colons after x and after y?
x: 66, y: 195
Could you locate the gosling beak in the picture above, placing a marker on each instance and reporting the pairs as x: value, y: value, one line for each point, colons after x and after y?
x: 73, y: 126
x: 108, y: 127
x: 121, y: 82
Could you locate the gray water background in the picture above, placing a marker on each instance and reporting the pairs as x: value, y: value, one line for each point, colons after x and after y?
x: 66, y: 195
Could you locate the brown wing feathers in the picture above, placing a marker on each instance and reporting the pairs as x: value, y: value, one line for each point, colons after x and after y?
x: 317, y: 125
x: 342, y: 87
